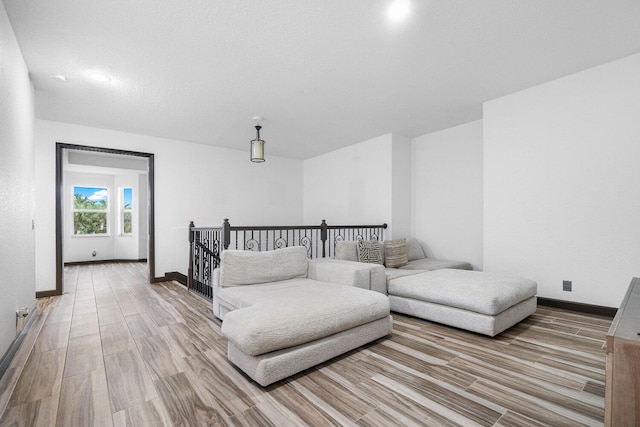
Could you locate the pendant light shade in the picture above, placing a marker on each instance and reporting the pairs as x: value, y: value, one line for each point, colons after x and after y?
x: 257, y: 147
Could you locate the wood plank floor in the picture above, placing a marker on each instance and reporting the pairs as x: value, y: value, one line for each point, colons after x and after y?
x: 116, y: 351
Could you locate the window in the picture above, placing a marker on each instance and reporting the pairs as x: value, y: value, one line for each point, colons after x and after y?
x: 90, y: 211
x: 126, y: 214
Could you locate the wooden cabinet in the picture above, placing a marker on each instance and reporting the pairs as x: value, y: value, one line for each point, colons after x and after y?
x: 622, y: 389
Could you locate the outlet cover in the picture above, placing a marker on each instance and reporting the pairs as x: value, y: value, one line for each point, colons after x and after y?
x: 566, y: 285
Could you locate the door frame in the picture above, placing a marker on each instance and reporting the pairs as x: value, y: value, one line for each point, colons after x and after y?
x: 151, y: 258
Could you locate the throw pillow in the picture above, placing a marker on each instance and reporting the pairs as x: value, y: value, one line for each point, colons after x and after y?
x: 346, y: 250
x: 369, y: 251
x: 414, y: 250
x: 395, y: 253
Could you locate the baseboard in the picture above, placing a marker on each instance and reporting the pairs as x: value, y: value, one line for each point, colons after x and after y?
x: 171, y: 275
x: 104, y: 261
x: 44, y: 294
x: 598, y: 310
x: 6, y: 360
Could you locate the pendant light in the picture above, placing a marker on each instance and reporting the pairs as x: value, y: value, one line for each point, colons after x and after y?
x: 257, y: 145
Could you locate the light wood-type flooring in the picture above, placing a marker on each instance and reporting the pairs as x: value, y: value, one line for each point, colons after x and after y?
x: 114, y: 350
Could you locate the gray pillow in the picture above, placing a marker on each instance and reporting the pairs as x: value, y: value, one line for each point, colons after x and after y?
x: 370, y: 251
x: 347, y: 251
x: 414, y: 250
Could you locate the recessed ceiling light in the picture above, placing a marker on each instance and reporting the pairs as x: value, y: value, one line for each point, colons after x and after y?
x: 399, y: 10
x: 58, y: 77
x: 100, y: 78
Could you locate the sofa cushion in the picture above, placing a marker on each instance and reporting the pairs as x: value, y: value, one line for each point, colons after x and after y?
x: 370, y: 251
x: 435, y: 264
x: 347, y: 273
x: 395, y: 253
x: 347, y: 250
x: 477, y: 291
x: 247, y: 268
x: 297, y: 312
x: 394, y: 273
x: 414, y: 250
x: 377, y: 273
x: 235, y: 297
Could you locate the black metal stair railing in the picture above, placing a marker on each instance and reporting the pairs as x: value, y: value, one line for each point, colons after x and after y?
x: 207, y: 243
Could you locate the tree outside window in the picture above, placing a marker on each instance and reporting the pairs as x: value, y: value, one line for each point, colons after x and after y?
x: 90, y: 210
x: 127, y: 211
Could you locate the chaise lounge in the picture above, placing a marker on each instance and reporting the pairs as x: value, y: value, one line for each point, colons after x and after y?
x: 443, y: 291
x: 476, y: 301
x: 283, y: 313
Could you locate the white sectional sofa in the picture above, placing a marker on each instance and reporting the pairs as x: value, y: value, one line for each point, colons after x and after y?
x: 283, y: 313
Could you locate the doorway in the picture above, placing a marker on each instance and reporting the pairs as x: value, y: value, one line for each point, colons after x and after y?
x: 123, y: 156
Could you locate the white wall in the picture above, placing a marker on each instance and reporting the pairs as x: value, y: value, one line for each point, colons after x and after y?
x: 17, y: 254
x: 351, y: 185
x: 359, y: 184
x: 143, y: 215
x: 562, y: 183
x: 192, y: 182
x: 401, y: 186
x: 447, y: 193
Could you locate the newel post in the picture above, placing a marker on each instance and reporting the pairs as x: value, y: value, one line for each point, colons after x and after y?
x: 190, y: 268
x: 226, y: 233
x: 323, y: 237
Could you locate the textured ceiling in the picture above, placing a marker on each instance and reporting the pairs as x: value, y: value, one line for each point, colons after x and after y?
x: 323, y: 74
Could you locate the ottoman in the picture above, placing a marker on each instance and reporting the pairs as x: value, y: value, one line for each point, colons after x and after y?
x: 486, y: 303
x: 299, y: 323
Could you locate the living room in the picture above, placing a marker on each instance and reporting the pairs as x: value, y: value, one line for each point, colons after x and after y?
x: 537, y: 179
